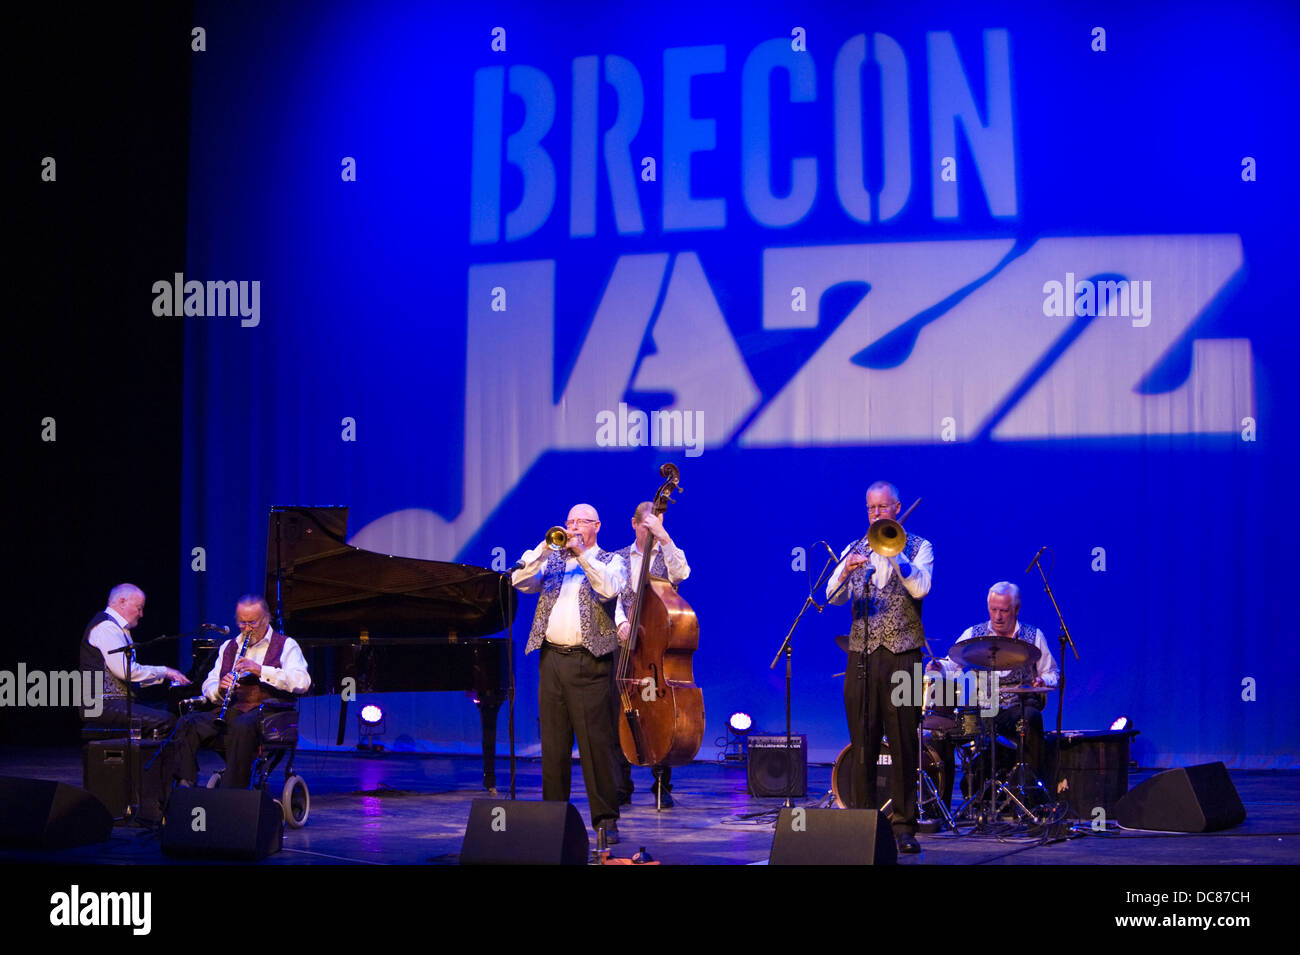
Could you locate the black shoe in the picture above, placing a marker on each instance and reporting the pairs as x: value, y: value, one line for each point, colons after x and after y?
x: 665, y: 801
x: 611, y: 833
x: 907, y: 843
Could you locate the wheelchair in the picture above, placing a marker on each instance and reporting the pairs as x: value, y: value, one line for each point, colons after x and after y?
x: 277, y: 743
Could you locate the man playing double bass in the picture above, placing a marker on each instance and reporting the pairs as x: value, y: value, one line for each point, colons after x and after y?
x: 886, y: 638
x: 667, y: 561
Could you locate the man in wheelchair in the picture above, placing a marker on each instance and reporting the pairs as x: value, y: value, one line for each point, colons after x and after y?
x: 256, y: 667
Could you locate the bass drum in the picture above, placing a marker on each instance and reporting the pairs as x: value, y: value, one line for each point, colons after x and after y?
x: 842, y: 784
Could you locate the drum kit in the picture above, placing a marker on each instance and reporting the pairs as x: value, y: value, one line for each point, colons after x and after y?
x: 997, y: 782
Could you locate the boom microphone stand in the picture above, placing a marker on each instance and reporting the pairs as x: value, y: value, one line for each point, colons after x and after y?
x: 1064, y: 639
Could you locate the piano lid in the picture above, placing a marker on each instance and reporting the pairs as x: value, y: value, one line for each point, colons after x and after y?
x: 328, y: 588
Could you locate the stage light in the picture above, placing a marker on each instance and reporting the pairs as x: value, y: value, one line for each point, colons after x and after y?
x: 1122, y: 723
x: 370, y: 726
x: 740, y: 723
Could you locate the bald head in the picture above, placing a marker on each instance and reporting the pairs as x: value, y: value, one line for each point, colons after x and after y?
x: 585, y: 522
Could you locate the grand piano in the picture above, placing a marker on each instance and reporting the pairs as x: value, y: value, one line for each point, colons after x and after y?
x: 388, y: 623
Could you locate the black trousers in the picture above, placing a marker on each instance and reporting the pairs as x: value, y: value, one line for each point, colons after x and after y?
x: 238, y: 743
x: 626, y: 787
x: 573, y: 699
x: 871, y: 715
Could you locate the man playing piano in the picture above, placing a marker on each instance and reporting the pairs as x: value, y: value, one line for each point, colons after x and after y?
x: 275, y: 661
x: 107, y: 631
x: 574, y: 628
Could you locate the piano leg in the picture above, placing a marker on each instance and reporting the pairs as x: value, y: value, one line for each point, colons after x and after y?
x: 488, y: 708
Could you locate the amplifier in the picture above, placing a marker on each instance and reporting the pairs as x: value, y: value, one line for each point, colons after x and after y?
x: 776, y: 771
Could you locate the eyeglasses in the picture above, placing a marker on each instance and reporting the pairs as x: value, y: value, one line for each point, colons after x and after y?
x: 580, y: 520
x: 871, y: 508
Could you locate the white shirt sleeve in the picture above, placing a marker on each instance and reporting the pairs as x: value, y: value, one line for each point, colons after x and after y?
x: 211, y: 684
x: 675, y: 561
x: 834, y: 583
x: 528, y: 578
x: 608, y: 580
x: 107, y: 636
x: 921, y: 571
x: 1047, y: 669
x: 291, y: 675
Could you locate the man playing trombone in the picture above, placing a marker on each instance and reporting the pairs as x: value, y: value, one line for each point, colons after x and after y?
x: 887, y: 585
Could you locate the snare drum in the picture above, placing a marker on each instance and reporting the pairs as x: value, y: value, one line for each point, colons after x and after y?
x: 934, y: 717
x: 968, y: 724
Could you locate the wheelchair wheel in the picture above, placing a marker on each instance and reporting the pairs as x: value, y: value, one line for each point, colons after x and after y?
x: 296, y: 801
x: 214, y: 780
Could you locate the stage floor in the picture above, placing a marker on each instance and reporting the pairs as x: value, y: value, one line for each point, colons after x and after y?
x: 404, y: 809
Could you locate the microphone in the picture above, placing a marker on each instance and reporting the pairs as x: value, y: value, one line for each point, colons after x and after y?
x: 517, y: 564
x: 1035, y: 560
x: 212, y: 626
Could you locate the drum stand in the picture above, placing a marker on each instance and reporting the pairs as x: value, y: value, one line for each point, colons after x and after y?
x: 1021, y: 774
x: 996, y: 795
x: 927, y: 792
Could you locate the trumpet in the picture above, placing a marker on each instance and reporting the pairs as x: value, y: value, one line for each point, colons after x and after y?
x: 557, y: 538
x: 220, y: 721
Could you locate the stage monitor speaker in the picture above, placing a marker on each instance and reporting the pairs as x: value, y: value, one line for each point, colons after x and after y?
x: 222, y: 824
x: 39, y: 814
x: 775, y: 772
x: 104, y: 764
x: 506, y: 832
x: 1192, y: 799
x: 833, y: 837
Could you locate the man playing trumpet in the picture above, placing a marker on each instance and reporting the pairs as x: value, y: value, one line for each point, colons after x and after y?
x: 574, y: 628
x: 886, y: 638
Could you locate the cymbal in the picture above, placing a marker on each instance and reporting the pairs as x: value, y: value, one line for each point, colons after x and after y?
x: 994, y: 653
x: 842, y: 641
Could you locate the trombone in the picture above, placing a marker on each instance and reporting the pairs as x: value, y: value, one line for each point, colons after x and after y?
x: 885, y: 537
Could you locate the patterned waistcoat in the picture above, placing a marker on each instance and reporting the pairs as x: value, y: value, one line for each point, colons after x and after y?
x: 92, y: 659
x: 658, y: 568
x: 250, y: 695
x: 1017, y: 676
x: 599, y: 635
x: 894, y: 614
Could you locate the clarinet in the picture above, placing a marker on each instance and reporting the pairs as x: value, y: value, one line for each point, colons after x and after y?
x: 234, y: 682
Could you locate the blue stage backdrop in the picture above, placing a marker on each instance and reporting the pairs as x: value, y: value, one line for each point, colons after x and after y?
x: 1032, y: 265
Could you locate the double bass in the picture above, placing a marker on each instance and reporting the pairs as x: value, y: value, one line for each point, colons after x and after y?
x: 662, y: 710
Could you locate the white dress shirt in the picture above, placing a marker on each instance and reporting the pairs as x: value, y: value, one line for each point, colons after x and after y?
x: 916, y: 574
x: 564, y: 627
x: 674, y: 562
x: 111, y: 634
x: 291, y: 675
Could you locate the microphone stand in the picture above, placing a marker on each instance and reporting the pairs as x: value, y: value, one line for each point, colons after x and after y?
x: 787, y: 648
x: 1064, y: 639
